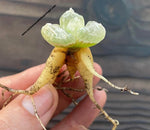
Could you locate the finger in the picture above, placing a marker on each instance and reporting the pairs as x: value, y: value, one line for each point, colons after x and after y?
x: 83, y: 114
x: 64, y: 101
x: 26, y: 78
x: 23, y: 79
x: 19, y: 114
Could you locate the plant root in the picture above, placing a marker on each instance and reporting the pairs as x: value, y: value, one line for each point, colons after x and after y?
x: 26, y: 92
x: 86, y: 70
x: 8, y: 100
x: 70, y: 89
x: 113, y: 121
x: 80, y: 60
x: 69, y: 96
x: 122, y: 89
x: 15, y: 91
x: 36, y: 113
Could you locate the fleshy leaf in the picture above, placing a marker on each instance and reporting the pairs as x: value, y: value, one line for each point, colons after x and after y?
x: 91, y: 34
x: 56, y: 36
x: 72, y: 33
x: 71, y: 22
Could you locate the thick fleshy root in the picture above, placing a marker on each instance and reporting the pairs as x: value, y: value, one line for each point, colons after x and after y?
x: 85, y: 59
x: 53, y: 64
x: 80, y: 60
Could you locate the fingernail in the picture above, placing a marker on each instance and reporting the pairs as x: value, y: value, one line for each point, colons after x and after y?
x: 43, y: 100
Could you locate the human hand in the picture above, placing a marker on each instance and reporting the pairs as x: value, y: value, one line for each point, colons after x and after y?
x: 19, y: 113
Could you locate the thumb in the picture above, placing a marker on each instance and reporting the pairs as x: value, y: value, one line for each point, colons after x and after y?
x: 19, y: 113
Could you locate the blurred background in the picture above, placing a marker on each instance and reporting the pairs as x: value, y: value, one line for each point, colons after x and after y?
x: 124, y: 54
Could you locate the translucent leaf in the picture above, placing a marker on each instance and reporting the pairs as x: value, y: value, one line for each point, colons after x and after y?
x: 91, y: 34
x: 56, y: 36
x: 71, y: 22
